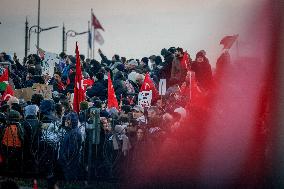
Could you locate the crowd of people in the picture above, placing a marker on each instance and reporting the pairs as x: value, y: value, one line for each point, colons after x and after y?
x: 45, y: 136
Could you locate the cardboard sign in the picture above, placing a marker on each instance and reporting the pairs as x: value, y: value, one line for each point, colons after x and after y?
x: 24, y: 93
x: 162, y: 87
x: 43, y: 89
x: 145, y: 98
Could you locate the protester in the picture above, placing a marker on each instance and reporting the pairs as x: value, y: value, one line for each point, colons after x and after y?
x: 58, y: 138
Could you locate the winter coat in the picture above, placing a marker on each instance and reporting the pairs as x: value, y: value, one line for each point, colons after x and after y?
x: 203, y: 74
x: 165, y: 71
x: 70, y: 151
x: 119, y: 86
x: 99, y: 89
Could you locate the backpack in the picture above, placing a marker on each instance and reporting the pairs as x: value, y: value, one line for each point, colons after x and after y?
x: 11, y: 136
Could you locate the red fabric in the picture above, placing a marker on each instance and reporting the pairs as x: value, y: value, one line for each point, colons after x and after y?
x: 7, y: 93
x: 5, y: 75
x: 148, y: 85
x: 228, y: 41
x: 87, y: 83
x: 35, y: 185
x: 61, y: 86
x: 111, y: 100
x: 184, y: 61
x: 96, y: 23
x: 79, y: 95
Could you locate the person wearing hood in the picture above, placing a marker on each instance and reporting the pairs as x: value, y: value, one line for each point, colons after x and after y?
x: 99, y: 89
x: 165, y: 71
x: 119, y: 85
x: 70, y: 150
x: 203, y: 71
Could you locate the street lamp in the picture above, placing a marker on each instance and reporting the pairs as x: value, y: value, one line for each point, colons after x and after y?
x: 70, y: 33
x: 38, y: 30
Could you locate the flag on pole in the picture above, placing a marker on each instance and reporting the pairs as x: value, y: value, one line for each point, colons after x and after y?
x: 90, y: 39
x: 79, y: 95
x: 111, y: 100
x: 96, y: 23
x: 35, y: 186
x: 5, y: 75
x: 148, y: 85
x: 8, y: 91
x: 228, y: 41
x: 99, y: 38
x: 185, y: 61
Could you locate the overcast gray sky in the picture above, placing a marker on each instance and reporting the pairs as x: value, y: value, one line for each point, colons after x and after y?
x: 133, y: 28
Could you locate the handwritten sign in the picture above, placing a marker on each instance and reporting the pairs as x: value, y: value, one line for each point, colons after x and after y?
x: 145, y: 98
x: 43, y: 89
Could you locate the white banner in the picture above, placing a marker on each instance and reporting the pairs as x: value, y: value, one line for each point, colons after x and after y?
x: 145, y: 98
x: 49, y: 62
x: 162, y: 87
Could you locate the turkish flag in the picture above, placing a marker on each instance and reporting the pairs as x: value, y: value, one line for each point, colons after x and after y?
x: 185, y: 61
x: 111, y: 100
x: 148, y: 85
x: 228, y: 41
x: 5, y: 76
x: 7, y: 93
x: 79, y: 95
x: 96, y: 23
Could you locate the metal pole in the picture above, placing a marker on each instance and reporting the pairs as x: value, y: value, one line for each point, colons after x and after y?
x: 88, y: 51
x: 29, y: 43
x: 38, y: 24
x: 65, y: 45
x: 63, y: 39
x: 26, y: 37
x: 94, y: 44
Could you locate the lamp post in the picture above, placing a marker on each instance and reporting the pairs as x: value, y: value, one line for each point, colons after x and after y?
x: 26, y: 37
x: 70, y: 33
x: 38, y: 30
x: 38, y: 24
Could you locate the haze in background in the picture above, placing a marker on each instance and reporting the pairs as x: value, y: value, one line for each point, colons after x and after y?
x: 132, y: 28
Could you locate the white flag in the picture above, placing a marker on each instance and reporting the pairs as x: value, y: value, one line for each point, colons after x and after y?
x: 99, y: 38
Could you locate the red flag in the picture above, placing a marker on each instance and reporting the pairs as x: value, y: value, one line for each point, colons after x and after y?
x: 5, y: 76
x: 148, y: 85
x: 185, y: 61
x: 111, y: 100
x: 96, y: 23
x: 87, y: 83
x: 8, y: 91
x: 35, y: 186
x: 79, y: 95
x: 228, y: 41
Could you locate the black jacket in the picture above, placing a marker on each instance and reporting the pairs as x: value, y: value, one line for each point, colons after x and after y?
x: 99, y: 89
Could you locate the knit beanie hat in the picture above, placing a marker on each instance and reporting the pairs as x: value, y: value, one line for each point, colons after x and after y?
x: 31, y: 110
x: 14, y: 116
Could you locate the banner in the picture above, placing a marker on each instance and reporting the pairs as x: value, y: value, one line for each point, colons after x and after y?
x: 49, y: 62
x: 27, y: 93
x: 145, y: 98
x: 162, y: 87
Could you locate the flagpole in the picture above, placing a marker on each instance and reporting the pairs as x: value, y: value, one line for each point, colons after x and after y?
x: 94, y: 44
x: 88, y: 40
x: 237, y: 45
x: 93, y: 33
